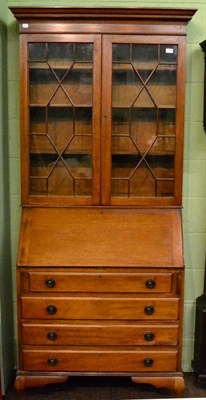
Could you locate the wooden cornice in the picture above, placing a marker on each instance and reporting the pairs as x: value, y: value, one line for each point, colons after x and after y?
x: 119, y: 14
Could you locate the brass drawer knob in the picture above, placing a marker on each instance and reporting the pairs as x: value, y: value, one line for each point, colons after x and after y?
x: 51, y: 309
x: 50, y: 282
x: 150, y: 283
x: 148, y: 362
x: 149, y: 336
x: 149, y: 310
x: 52, y: 361
x: 51, y: 335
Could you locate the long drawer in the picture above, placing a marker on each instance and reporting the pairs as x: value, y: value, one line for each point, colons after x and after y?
x: 59, y: 334
x: 99, y: 282
x: 97, y: 308
x: 100, y: 360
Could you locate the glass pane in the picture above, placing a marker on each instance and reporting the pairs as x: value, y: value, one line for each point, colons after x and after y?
x: 83, y: 121
x: 37, y: 120
x: 60, y: 126
x: 161, y: 167
x: 61, y: 55
x: 167, y: 121
x: 162, y: 86
x: 144, y: 59
x: 124, y: 165
x: 122, y: 169
x: 66, y: 54
x: 126, y: 86
x: 120, y: 121
x: 121, y: 53
x: 84, y: 52
x: 43, y: 83
x: 38, y: 186
x: 142, y: 181
x: 145, y: 53
x: 41, y: 164
x: 162, y: 146
x: 37, y: 52
x: 70, y: 129
x: 61, y: 114
x: 83, y: 187
x: 165, y: 188
x: 168, y: 53
x: 78, y: 85
x: 143, y: 127
x: 122, y: 144
x: 40, y: 144
x: 143, y: 120
x: 60, y: 181
x: 78, y: 166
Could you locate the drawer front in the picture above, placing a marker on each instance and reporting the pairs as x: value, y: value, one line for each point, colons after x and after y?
x: 99, y: 334
x: 100, y: 282
x: 100, y: 361
x: 99, y: 308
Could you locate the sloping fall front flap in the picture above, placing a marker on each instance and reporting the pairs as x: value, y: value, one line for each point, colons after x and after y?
x: 100, y: 237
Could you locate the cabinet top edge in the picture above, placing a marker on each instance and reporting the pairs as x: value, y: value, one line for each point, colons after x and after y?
x: 97, y: 13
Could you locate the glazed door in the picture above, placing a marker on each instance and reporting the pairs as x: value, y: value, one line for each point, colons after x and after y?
x: 61, y: 119
x: 142, y: 161
x: 91, y: 99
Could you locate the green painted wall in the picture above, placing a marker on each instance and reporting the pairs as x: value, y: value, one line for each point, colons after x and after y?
x: 194, y: 201
x: 6, y: 306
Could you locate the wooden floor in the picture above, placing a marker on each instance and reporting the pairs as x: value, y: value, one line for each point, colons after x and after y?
x: 92, y: 388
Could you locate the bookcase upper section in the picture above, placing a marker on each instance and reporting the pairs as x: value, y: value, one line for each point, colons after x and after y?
x: 102, y: 105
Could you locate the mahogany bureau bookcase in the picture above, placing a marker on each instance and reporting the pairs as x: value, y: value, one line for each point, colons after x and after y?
x: 100, y: 265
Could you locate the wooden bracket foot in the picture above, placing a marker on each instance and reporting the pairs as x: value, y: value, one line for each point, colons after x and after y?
x: 174, y: 383
x: 27, y: 381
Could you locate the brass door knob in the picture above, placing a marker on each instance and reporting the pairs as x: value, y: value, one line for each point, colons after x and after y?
x: 52, y: 361
x: 50, y: 282
x: 51, y: 335
x: 149, y: 336
x: 150, y: 283
x: 148, y: 362
x: 51, y: 309
x: 149, y: 310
